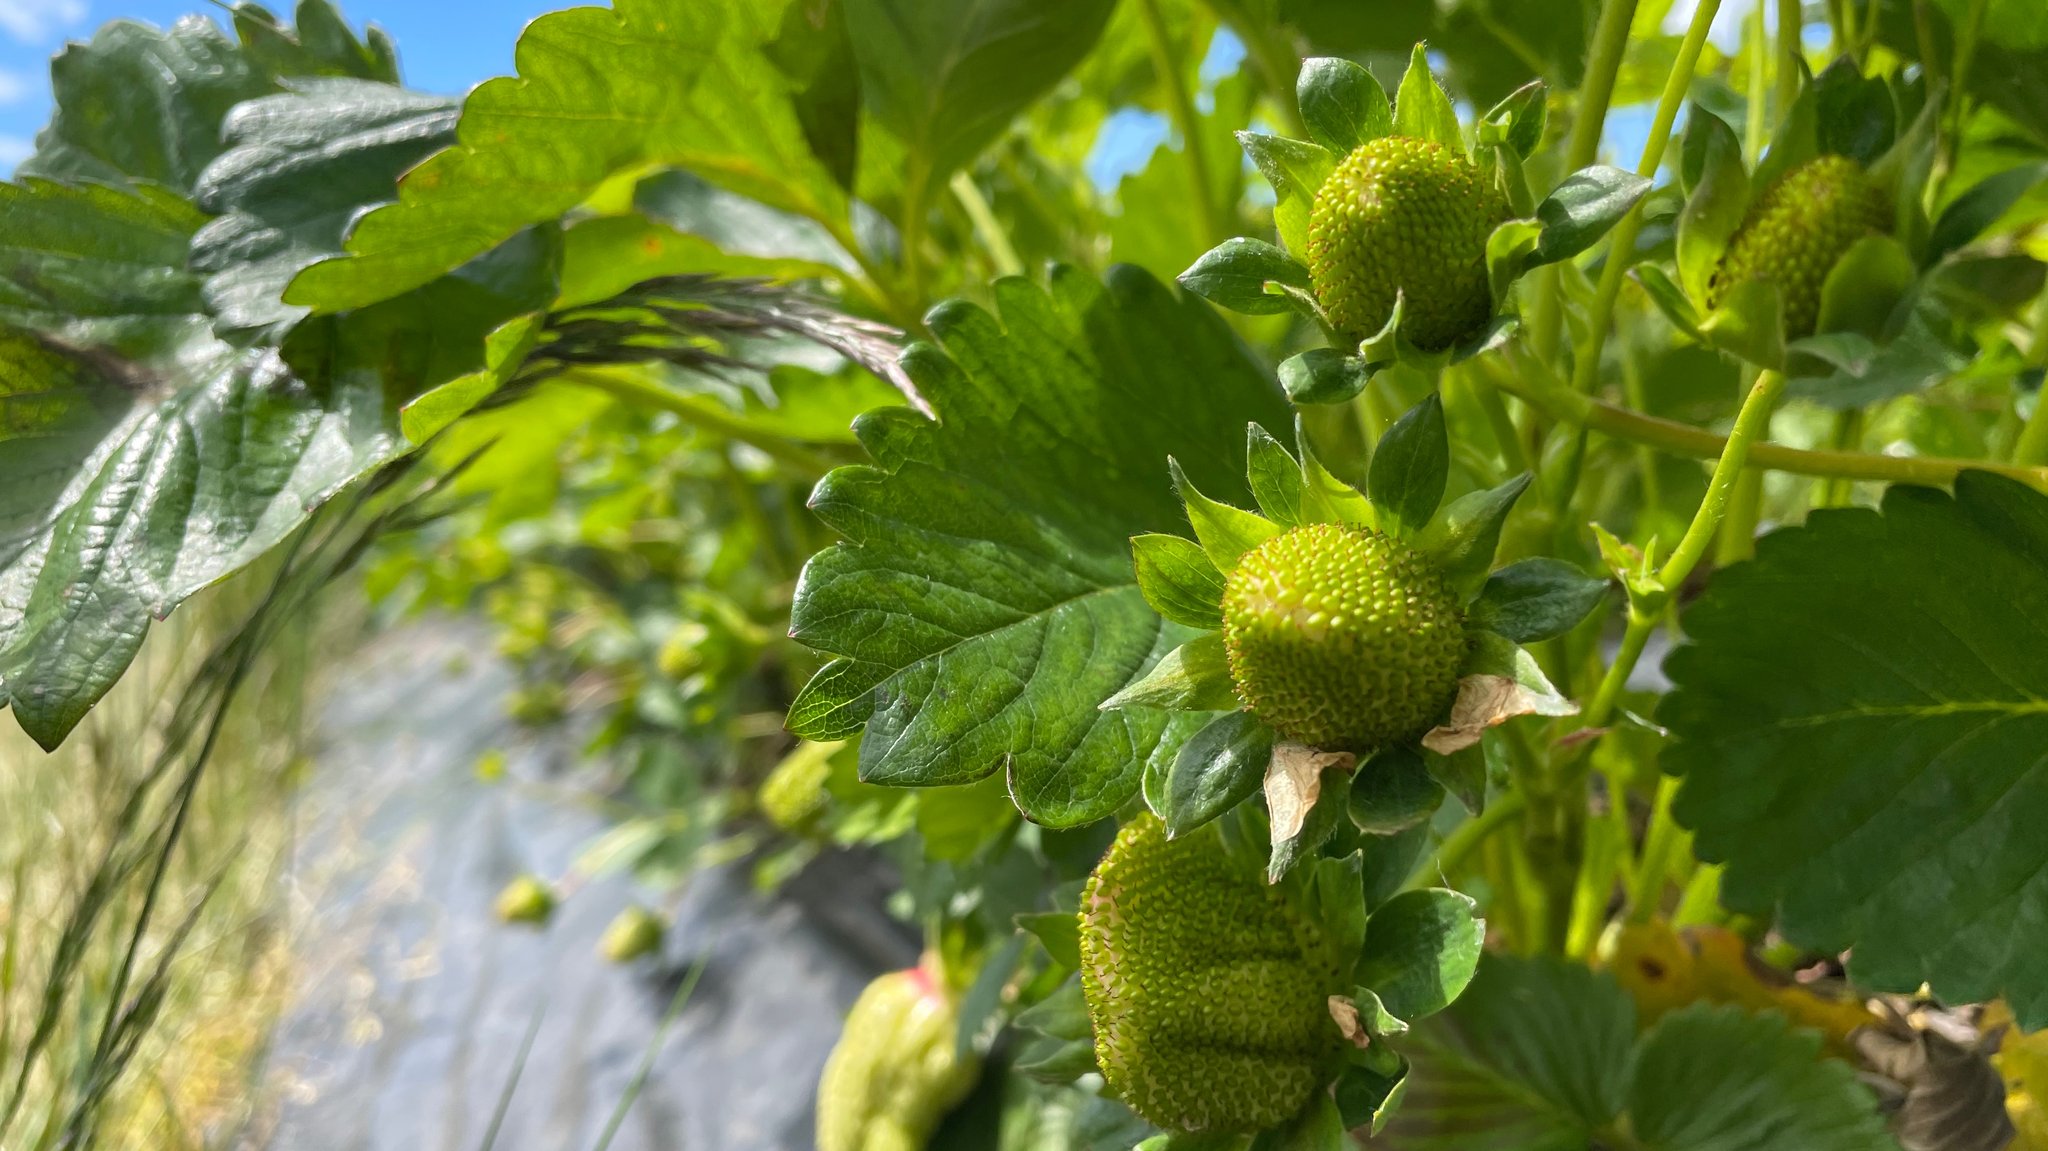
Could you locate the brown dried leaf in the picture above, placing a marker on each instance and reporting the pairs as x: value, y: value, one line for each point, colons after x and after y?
x: 1485, y: 701
x: 1294, y: 781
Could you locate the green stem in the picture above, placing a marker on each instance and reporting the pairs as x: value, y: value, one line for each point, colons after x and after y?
x: 1587, y: 372
x: 1273, y: 58
x: 1753, y: 135
x: 1750, y: 425
x: 1737, y: 539
x: 1660, y: 846
x: 1603, y: 65
x: 1561, y: 403
x: 1182, y: 106
x: 1646, y: 456
x: 1469, y: 835
x: 986, y: 226
x: 1791, y: 51
x: 1846, y: 434
x: 870, y: 280
x: 1500, y: 421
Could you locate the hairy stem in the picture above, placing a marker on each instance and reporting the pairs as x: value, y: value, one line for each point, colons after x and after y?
x: 1560, y: 402
x: 986, y: 226
x: 1460, y: 843
x: 1587, y: 371
x: 1182, y: 105
x: 1603, y: 65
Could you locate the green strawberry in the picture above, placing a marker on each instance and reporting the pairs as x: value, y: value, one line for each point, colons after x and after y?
x: 1410, y: 216
x: 1796, y: 230
x: 526, y: 899
x: 1208, y: 990
x: 1342, y: 637
x: 793, y: 796
x: 631, y: 934
x: 896, y: 1069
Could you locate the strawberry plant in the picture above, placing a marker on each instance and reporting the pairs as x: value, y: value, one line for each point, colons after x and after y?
x: 1488, y: 588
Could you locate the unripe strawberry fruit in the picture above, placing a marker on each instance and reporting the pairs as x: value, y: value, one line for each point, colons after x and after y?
x: 526, y: 899
x: 631, y: 934
x: 1410, y: 216
x: 1208, y: 990
x: 1796, y: 230
x: 896, y: 1069
x: 1342, y: 637
x: 793, y: 796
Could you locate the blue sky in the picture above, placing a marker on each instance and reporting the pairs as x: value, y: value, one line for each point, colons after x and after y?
x: 450, y: 45
x: 443, y: 45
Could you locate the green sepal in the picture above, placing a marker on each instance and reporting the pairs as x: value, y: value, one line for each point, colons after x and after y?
x: 1636, y: 568
x: 1423, y: 109
x: 1421, y: 949
x: 1225, y: 532
x: 1276, y: 479
x: 1059, y: 932
x: 1503, y: 167
x: 1393, y: 791
x: 1750, y: 324
x: 1411, y: 467
x: 1797, y: 139
x: 1242, y: 275
x: 1317, y: 1128
x: 1325, y: 498
x: 1342, y: 104
x: 1536, y: 599
x: 1337, y: 892
x: 1494, y: 336
x: 1669, y: 298
x: 1178, y: 580
x: 1854, y: 114
x: 1368, y: 1097
x: 1373, y: 1017
x: 1583, y: 208
x: 1386, y: 346
x: 1332, y: 802
x: 1509, y: 248
x: 1192, y: 677
x: 1056, y: 1061
x: 1323, y: 376
x: 1518, y: 121
x: 1902, y: 175
x: 1865, y: 289
x: 1462, y: 773
x: 1493, y: 654
x: 1462, y: 540
x: 1296, y: 169
x: 1062, y: 1014
x: 1218, y: 768
x: 1718, y: 199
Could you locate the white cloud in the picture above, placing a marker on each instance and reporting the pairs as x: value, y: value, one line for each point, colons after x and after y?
x: 14, y: 86
x: 35, y: 21
x: 13, y: 150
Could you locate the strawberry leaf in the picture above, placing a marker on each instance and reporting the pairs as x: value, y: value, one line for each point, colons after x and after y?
x: 1342, y: 105
x: 1860, y: 721
x: 1540, y: 1055
x: 683, y: 83
x: 985, y: 602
